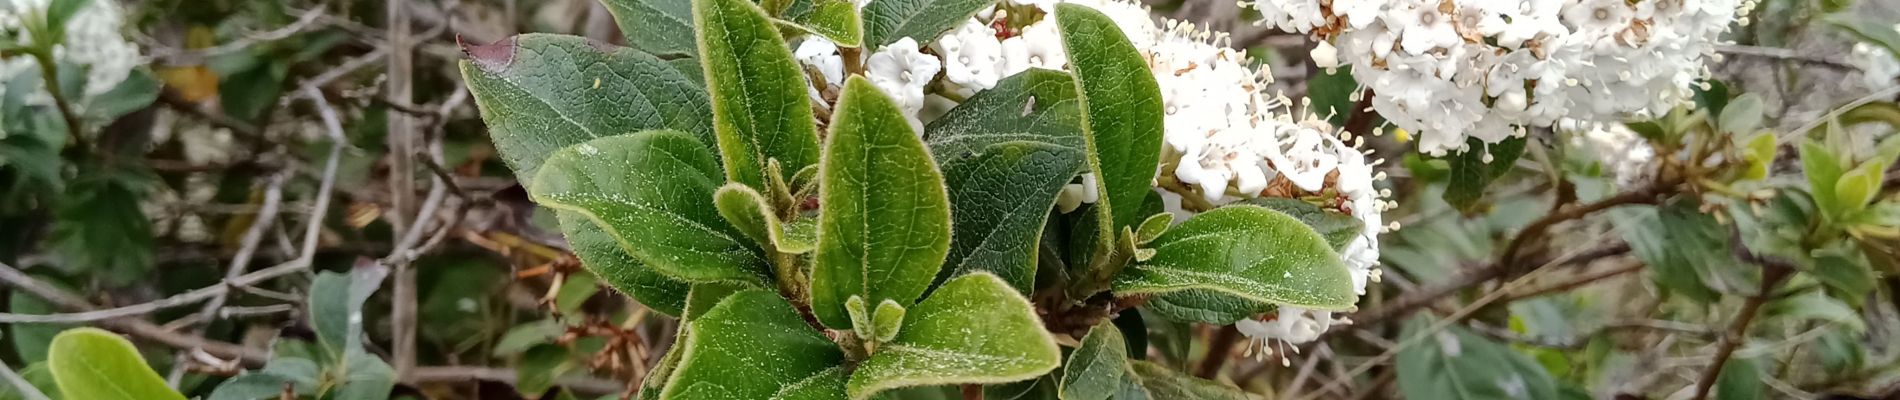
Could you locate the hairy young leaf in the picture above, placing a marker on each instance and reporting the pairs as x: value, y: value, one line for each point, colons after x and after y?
x: 539, y: 93
x: 650, y: 192
x: 1096, y: 368
x: 1002, y: 198
x: 1121, y: 105
x: 887, y: 21
x: 1456, y: 364
x: 836, y: 20
x: 885, y: 224
x: 760, y: 111
x: 656, y: 26
x: 973, y: 329
x: 1471, y: 172
x: 1246, y: 251
x: 753, y: 345
x: 601, y: 253
x: 93, y: 364
x: 1035, y: 105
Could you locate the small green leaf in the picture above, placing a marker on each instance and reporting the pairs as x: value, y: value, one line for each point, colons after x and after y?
x: 1122, y: 112
x: 538, y: 367
x: 1473, y: 170
x: 539, y: 93
x: 30, y: 341
x: 365, y: 377
x: 1161, y: 382
x: 601, y: 254
x: 336, y: 307
x: 1818, y: 306
x: 1332, y: 94
x: 888, y: 320
x: 1095, y: 370
x: 1740, y: 379
x: 753, y: 215
x: 1246, y: 251
x: 1760, y: 156
x: 760, y: 110
x: 860, y: 318
x: 1002, y: 198
x: 1858, y: 187
x: 801, y: 236
x: 886, y: 21
x: 973, y: 329
x: 884, y: 227
x: 836, y: 20
x: 1823, y: 169
x: 649, y: 192
x: 1742, y: 116
x: 752, y: 346
x: 1206, y: 306
x: 1456, y: 364
x: 1339, y: 229
x: 1152, y: 227
x: 37, y: 376
x: 93, y: 364
x: 1035, y: 105
x: 655, y: 26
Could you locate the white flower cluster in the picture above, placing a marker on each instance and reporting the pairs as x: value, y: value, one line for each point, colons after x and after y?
x: 1878, y: 66
x: 1456, y: 69
x: 92, y: 40
x: 1225, y: 138
x: 1624, y: 156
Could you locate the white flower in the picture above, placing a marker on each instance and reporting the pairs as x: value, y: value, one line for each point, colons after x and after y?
x: 1878, y: 67
x: 1040, y: 46
x: 1047, y: 6
x: 901, y: 71
x: 816, y: 52
x: 973, y: 58
x: 1325, y: 56
x: 1290, y: 325
x: 92, y: 40
x: 1303, y: 155
x: 1421, y: 26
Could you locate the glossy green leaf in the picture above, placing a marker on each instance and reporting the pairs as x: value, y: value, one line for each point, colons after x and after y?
x: 886, y: 21
x: 753, y: 345
x: 941, y: 344
x: 1121, y: 105
x: 1339, y: 229
x: 836, y: 20
x: 93, y: 364
x: 1037, y: 105
x: 1002, y: 198
x: 760, y: 110
x: 1249, y: 252
x: 1206, y: 306
x: 885, y: 223
x: 539, y: 93
x: 1095, y: 370
x: 1471, y: 172
x: 650, y: 192
x: 1162, y: 382
x: 656, y: 26
x: 1456, y: 364
x: 602, y: 255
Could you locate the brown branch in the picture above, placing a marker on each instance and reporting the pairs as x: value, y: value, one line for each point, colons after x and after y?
x: 141, y: 328
x: 1774, y: 271
x: 1219, y: 349
x: 1415, y: 300
x: 1537, y: 229
x: 972, y: 392
x: 1578, y: 282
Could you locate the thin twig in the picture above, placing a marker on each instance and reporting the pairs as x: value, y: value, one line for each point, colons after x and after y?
x: 181, y: 299
x: 173, y: 56
x: 146, y: 329
x: 1405, y: 305
x: 253, y: 237
x: 1578, y: 282
x: 20, y: 385
x: 1774, y: 271
x: 1816, y: 123
x: 1783, y: 54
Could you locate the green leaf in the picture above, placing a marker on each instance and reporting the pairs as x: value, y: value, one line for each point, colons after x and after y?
x: 1872, y: 30
x: 1249, y: 252
x: 885, y: 223
x: 886, y: 21
x: 1471, y: 173
x: 649, y: 192
x: 1035, y: 105
x: 1162, y: 382
x: 336, y: 307
x: 1339, y: 229
x: 1823, y: 169
x: 1818, y: 306
x: 539, y: 93
x: 30, y: 341
x: 888, y: 320
x: 1002, y: 198
x: 300, y: 374
x: 135, y: 93
x: 657, y: 26
x: 1332, y: 94
x: 1742, y: 116
x: 749, y: 347
x: 39, y: 377
x: 750, y: 213
x: 1858, y: 187
x: 538, y: 367
x: 973, y: 329
x: 1095, y: 370
x: 1206, y: 306
x: 1153, y: 227
x: 1122, y: 112
x: 705, y: 296
x: 58, y: 12
x: 365, y: 377
x: 1760, y: 154
x: 1687, y: 250
x: 760, y: 110
x: 1456, y: 364
x: 836, y: 20
x: 1740, y: 379
x: 93, y: 364
x: 601, y: 254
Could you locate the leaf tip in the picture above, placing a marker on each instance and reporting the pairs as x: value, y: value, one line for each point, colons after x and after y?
x: 493, y: 57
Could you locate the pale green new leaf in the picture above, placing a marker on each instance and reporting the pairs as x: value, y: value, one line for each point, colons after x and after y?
x: 93, y: 364
x: 601, y: 253
x: 1246, y: 251
x: 759, y: 106
x: 886, y: 21
x: 656, y: 26
x: 751, y: 346
x: 1121, y: 106
x: 539, y: 93
x: 1095, y: 370
x: 650, y: 192
x: 885, y: 224
x: 749, y: 211
x: 973, y: 329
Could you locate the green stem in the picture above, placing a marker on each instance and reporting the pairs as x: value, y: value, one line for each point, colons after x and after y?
x: 50, y: 74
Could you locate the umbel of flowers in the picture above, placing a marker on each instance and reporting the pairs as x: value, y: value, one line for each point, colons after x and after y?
x: 1450, y: 70
x: 1226, y: 138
